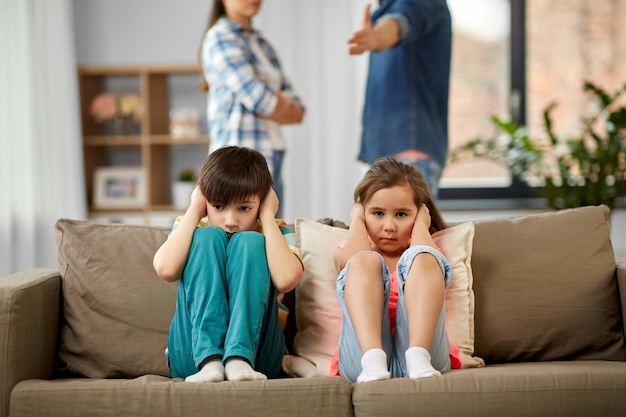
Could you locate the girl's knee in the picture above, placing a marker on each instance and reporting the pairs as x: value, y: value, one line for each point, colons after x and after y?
x: 365, y: 266
x: 367, y: 260
x: 424, y: 260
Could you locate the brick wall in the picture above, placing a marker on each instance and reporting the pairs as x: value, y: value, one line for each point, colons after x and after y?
x: 568, y: 42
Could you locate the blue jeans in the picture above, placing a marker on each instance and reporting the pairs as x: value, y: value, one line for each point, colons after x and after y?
x: 226, y: 305
x: 277, y: 177
x: 394, y: 346
x: 430, y: 169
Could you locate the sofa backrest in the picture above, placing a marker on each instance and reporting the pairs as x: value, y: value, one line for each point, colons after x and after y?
x: 545, y: 288
x: 116, y: 310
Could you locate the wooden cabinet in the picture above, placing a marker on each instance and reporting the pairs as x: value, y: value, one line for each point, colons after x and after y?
x: 148, y: 144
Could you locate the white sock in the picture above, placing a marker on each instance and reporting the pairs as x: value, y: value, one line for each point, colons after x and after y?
x: 418, y: 363
x: 240, y: 370
x: 212, y: 371
x: 374, y: 366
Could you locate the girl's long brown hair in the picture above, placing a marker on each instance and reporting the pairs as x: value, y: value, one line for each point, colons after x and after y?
x: 217, y: 10
x: 388, y: 172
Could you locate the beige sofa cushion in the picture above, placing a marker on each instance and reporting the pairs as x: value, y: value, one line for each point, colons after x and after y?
x: 545, y: 288
x: 547, y: 389
x: 117, y: 310
x: 156, y: 396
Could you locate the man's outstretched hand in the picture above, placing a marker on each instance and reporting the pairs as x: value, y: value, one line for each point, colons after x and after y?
x: 363, y: 39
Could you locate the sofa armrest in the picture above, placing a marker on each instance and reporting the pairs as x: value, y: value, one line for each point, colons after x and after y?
x: 621, y: 282
x: 29, y: 315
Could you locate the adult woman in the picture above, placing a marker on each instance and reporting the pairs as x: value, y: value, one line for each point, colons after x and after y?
x: 250, y: 96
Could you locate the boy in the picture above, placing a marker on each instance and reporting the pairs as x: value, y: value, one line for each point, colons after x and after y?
x: 232, y: 258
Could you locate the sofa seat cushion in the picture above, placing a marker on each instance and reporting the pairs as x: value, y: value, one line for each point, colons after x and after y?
x: 545, y: 288
x: 153, y: 396
x: 576, y: 388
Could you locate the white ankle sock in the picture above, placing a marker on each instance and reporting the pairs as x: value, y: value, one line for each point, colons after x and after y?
x: 374, y: 366
x: 240, y: 370
x: 212, y: 371
x: 418, y: 363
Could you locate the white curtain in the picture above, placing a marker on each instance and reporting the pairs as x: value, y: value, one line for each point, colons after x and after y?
x: 41, y: 168
x: 311, y: 37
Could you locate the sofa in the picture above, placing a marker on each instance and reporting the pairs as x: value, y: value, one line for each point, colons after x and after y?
x: 537, y: 316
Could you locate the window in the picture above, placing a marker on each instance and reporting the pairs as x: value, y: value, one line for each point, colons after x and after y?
x: 487, y: 78
x: 515, y: 57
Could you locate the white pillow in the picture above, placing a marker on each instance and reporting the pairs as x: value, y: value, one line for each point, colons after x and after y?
x: 318, y: 314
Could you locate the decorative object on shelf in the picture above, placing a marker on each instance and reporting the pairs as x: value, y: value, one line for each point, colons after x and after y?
x: 184, y: 122
x: 182, y: 188
x: 157, y: 90
x: 122, y: 111
x: 569, y: 171
x: 119, y: 187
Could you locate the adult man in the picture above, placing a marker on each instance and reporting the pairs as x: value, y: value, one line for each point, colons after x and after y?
x: 406, y: 100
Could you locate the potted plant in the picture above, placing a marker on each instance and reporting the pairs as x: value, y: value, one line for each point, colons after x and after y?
x: 182, y: 188
x: 586, y: 169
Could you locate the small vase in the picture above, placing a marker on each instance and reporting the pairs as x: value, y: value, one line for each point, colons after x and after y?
x: 119, y: 125
x: 124, y: 125
x: 181, y: 193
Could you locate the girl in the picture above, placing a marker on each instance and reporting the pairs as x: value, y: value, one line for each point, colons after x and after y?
x: 232, y: 258
x: 393, y: 278
x: 250, y: 96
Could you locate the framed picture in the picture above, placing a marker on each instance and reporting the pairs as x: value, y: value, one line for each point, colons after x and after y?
x: 119, y: 187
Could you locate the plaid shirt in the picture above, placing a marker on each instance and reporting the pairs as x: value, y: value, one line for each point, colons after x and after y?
x: 237, y: 95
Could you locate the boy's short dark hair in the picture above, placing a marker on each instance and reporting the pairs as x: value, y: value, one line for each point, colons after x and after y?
x: 232, y: 174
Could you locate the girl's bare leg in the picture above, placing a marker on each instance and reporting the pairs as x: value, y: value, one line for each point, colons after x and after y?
x: 364, y: 295
x: 424, y: 292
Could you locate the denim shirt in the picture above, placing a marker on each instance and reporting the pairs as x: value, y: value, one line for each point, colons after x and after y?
x: 406, y: 97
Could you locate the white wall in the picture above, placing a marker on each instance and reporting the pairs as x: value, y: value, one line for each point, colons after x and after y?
x: 126, y: 32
